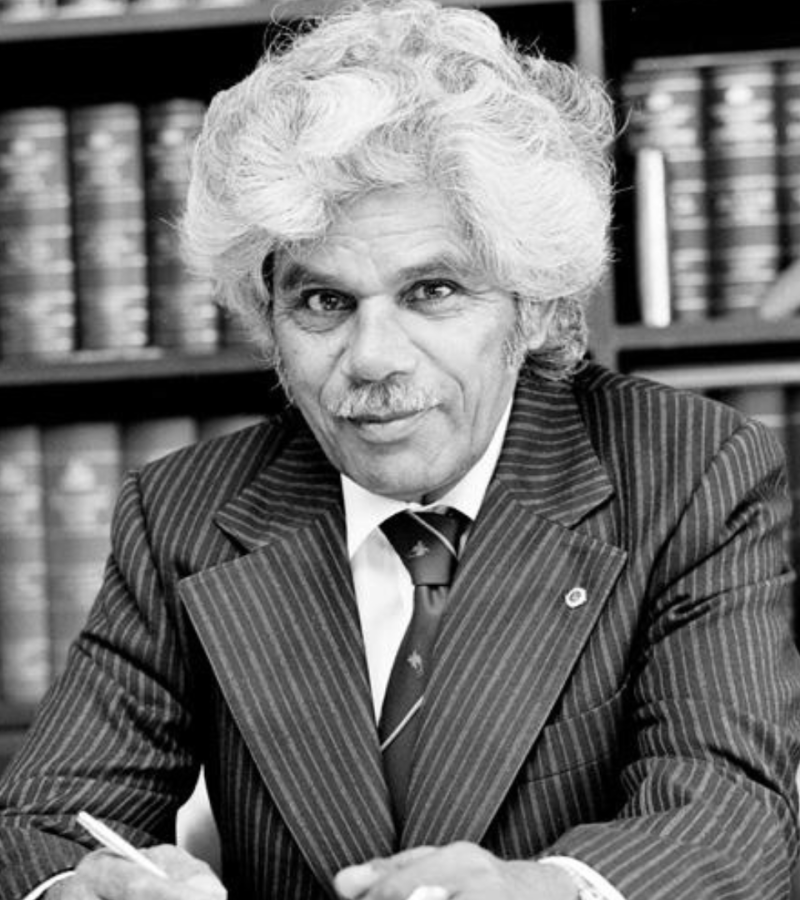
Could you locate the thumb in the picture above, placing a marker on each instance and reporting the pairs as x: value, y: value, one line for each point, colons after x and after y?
x: 354, y: 881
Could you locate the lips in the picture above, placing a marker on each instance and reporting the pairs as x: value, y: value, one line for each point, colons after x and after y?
x: 382, y: 419
x: 387, y: 428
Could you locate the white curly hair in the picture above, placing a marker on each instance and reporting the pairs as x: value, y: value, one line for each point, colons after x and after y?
x: 405, y: 92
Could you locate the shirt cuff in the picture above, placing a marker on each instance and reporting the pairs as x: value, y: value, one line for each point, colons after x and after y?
x: 45, y: 886
x: 590, y: 882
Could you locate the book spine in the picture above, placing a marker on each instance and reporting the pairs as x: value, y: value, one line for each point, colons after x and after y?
x: 183, y: 311
x: 109, y: 222
x: 156, y: 5
x: 81, y: 480
x: 146, y: 440
x: 37, y: 298
x: 89, y: 7
x: 24, y: 636
x: 652, y: 245
x: 789, y: 106
x: 665, y: 109
x: 743, y: 181
x: 23, y: 9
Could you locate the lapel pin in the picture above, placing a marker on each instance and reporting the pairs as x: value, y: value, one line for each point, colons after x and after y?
x: 575, y: 597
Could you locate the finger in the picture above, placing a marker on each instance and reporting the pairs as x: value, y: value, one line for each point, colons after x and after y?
x: 114, y: 878
x: 443, y: 872
x: 429, y: 892
x: 71, y: 888
x: 354, y: 881
x: 182, y: 866
x: 407, y: 857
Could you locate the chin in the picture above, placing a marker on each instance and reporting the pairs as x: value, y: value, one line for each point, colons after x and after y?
x: 396, y: 488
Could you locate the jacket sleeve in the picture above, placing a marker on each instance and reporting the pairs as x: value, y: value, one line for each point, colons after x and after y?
x: 709, y: 781
x: 114, y: 734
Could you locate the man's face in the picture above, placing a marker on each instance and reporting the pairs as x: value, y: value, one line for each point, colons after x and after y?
x: 393, y: 346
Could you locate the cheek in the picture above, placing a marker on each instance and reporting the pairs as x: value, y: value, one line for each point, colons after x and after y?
x: 305, y: 365
x: 485, y: 361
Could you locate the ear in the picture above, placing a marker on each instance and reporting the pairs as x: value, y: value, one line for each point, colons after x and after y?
x: 538, y: 317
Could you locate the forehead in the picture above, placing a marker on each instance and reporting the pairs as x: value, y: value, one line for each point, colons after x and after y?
x: 388, y: 231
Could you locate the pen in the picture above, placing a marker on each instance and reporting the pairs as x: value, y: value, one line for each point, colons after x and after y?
x: 117, y: 844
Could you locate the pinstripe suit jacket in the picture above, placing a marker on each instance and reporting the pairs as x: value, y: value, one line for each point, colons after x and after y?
x: 651, y: 732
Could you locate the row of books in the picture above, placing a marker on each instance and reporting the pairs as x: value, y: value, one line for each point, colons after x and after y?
x: 716, y: 144
x: 25, y: 10
x: 89, y: 248
x: 58, y: 487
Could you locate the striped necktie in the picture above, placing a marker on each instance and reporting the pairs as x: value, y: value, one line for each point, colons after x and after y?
x: 428, y: 544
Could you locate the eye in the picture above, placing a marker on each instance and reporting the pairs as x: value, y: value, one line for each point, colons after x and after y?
x: 434, y: 290
x: 325, y: 302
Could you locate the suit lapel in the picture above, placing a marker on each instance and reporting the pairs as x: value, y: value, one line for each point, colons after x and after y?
x: 281, y: 630
x: 510, y: 640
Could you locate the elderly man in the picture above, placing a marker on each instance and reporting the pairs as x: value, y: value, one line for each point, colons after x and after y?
x: 473, y: 618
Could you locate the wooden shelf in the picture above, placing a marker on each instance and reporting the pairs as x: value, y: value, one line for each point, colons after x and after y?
x: 723, y: 332
x: 149, y: 21
x: 144, y: 21
x: 89, y: 367
x: 724, y: 375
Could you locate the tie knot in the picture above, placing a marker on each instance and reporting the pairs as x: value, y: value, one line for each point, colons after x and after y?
x: 427, y: 543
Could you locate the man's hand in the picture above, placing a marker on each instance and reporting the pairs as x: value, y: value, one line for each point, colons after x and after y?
x: 103, y: 876
x: 463, y: 871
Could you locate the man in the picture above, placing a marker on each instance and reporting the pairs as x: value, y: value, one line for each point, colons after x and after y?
x: 411, y: 215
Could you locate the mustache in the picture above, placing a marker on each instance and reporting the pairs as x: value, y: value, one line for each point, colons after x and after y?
x: 382, y: 399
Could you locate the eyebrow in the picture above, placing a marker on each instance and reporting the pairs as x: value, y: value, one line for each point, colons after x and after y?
x: 447, y: 264
x: 296, y: 274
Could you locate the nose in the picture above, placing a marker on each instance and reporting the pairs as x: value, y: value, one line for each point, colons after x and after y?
x: 378, y: 346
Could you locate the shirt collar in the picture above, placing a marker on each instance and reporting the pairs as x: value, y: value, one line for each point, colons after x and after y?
x: 364, y: 511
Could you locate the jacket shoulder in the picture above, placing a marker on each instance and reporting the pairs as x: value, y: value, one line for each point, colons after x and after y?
x: 179, y: 494
x: 641, y: 424
x: 221, y: 464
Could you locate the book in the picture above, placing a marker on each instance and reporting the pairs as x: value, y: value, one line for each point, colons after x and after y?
x: 109, y: 224
x: 145, y: 440
x: 743, y: 184
x: 89, y: 7
x: 789, y: 159
x: 24, y: 9
x: 653, y: 247
x: 37, y: 296
x: 81, y: 463
x: 24, y: 631
x: 183, y: 311
x: 664, y: 102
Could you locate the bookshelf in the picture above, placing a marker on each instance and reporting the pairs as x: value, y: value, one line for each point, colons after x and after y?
x: 145, y: 55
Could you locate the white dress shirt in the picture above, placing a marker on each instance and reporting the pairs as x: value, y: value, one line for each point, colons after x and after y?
x: 384, y: 591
